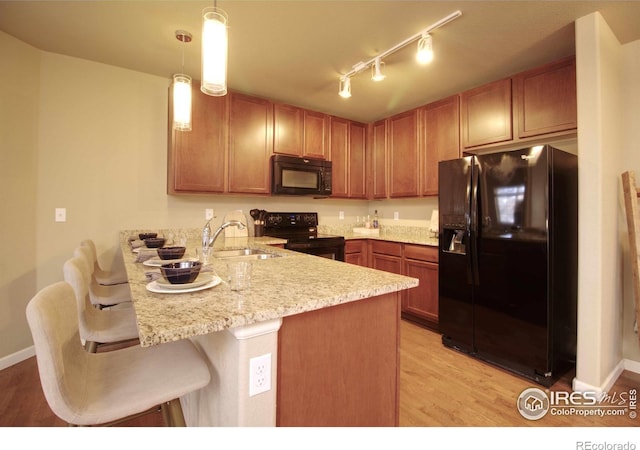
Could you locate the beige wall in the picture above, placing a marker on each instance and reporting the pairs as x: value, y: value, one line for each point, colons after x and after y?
x: 19, y: 87
x: 602, y: 74
x: 631, y: 161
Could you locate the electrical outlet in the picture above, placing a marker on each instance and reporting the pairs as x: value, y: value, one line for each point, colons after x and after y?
x: 208, y: 214
x: 396, y: 215
x: 259, y: 374
x: 61, y: 214
x: 341, y: 215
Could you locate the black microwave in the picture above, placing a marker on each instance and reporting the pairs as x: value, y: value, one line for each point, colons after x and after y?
x: 300, y: 176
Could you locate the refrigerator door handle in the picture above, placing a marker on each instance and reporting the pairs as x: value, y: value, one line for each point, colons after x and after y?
x: 474, y: 225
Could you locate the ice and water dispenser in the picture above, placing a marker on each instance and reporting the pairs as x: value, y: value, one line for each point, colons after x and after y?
x: 454, y: 234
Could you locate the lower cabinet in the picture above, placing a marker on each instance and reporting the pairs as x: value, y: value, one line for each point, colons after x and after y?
x: 419, y: 304
x: 355, y: 252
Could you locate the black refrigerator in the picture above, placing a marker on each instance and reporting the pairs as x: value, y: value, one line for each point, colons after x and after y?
x: 508, y: 259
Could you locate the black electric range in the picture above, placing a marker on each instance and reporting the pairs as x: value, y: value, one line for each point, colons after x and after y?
x: 301, y: 232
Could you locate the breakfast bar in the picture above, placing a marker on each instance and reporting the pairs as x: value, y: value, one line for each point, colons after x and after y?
x: 321, y: 326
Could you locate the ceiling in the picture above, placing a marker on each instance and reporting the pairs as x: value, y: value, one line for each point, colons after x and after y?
x: 295, y: 51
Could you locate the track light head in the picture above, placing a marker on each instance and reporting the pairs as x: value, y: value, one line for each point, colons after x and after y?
x: 376, y: 70
x: 344, y: 90
x: 425, y: 49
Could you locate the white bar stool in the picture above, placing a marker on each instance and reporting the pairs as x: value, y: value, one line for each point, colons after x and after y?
x: 100, y: 295
x: 106, y: 277
x: 98, y: 326
x: 105, y: 388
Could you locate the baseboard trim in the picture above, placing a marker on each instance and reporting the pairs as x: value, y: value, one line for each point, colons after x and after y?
x: 17, y: 357
x: 624, y: 364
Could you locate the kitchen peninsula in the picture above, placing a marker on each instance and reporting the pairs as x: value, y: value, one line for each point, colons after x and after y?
x: 330, y: 330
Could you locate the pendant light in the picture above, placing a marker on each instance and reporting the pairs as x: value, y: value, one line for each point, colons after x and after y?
x: 214, y: 51
x: 182, y: 91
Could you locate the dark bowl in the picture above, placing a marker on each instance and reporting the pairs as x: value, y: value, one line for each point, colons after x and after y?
x: 144, y: 236
x: 154, y: 242
x: 171, y: 252
x: 181, y: 272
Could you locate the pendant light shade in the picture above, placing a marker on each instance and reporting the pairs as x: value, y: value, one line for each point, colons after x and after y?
x: 214, y: 52
x: 182, y: 102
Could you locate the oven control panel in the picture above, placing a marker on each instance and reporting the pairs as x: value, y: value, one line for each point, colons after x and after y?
x: 291, y: 220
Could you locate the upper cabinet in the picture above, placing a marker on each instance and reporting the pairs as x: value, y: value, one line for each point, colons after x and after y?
x: 197, y: 158
x: 441, y: 131
x: 347, y: 144
x: 403, y: 154
x: 378, y: 166
x: 545, y: 99
x: 250, y: 144
x: 316, y: 135
x: 288, y: 129
x: 485, y: 114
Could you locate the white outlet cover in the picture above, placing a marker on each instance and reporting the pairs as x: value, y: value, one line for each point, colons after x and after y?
x: 61, y: 214
x: 259, y: 374
x: 396, y: 215
x: 208, y: 214
x: 341, y: 215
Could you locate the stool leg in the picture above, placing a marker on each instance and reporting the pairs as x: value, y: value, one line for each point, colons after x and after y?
x: 91, y: 346
x: 166, y: 415
x: 176, y: 415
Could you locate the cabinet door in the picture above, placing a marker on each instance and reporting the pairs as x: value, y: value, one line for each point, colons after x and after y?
x: 339, y: 142
x: 357, y: 160
x: 315, y: 135
x: 379, y: 159
x: 250, y: 144
x: 545, y: 99
x: 485, y: 114
x: 422, y: 301
x: 197, y: 158
x: 355, y: 252
x: 386, y: 256
x: 403, y: 155
x: 287, y: 130
x: 442, y: 139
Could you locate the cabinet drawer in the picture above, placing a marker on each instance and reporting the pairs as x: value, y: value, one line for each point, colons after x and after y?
x: 386, y: 248
x: 355, y: 246
x: 421, y: 252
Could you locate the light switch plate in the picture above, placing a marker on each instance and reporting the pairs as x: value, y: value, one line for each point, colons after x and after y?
x: 208, y: 214
x: 61, y: 214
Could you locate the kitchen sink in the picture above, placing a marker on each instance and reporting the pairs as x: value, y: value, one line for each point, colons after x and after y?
x: 245, y: 254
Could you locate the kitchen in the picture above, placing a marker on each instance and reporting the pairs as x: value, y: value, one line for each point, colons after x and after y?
x: 72, y: 151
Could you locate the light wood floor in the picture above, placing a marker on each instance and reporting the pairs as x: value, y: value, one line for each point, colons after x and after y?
x: 439, y: 387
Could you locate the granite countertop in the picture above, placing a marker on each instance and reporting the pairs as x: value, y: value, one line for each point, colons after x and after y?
x: 402, y: 234
x: 282, y: 286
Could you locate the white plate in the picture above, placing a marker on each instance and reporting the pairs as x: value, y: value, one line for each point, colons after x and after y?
x: 157, y: 262
x: 202, y: 278
x: 159, y: 289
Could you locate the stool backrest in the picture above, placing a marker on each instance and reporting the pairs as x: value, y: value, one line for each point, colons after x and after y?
x: 77, y: 279
x: 62, y: 361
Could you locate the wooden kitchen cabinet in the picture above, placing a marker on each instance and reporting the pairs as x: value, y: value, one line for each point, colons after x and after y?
x: 441, y: 131
x: 485, y: 114
x: 545, y: 99
x: 288, y: 129
x: 378, y: 165
x: 316, y: 132
x: 197, y: 158
x: 355, y: 252
x: 421, y: 303
x: 404, y: 167
x: 348, y: 146
x: 386, y: 256
x: 250, y: 144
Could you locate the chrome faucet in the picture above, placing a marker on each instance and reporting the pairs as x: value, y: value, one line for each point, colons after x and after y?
x: 212, y: 239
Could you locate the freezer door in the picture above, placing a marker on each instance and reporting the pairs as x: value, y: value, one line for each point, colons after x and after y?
x: 455, y: 280
x: 511, y: 297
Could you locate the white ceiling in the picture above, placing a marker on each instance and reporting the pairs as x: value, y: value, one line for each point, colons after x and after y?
x: 295, y: 51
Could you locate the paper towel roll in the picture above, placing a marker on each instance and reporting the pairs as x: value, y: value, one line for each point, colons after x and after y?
x: 433, y: 226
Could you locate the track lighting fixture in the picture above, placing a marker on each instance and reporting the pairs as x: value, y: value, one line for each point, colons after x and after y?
x: 425, y: 49
x: 182, y: 91
x: 424, y: 55
x: 345, y: 87
x: 376, y: 71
